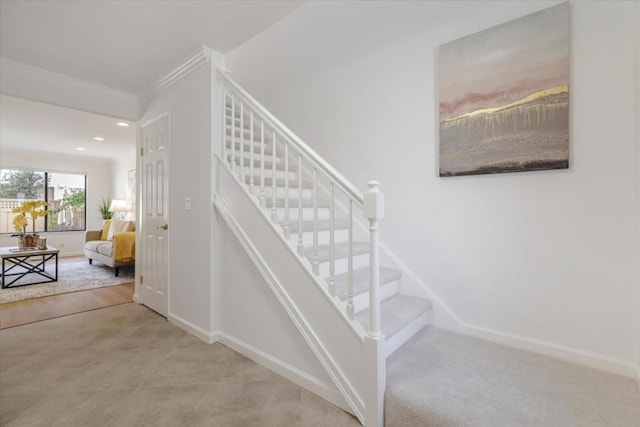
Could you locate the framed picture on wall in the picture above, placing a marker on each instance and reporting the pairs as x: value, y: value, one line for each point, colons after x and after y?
x: 504, y: 97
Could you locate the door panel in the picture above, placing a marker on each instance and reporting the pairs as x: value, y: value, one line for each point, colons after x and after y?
x: 155, y: 219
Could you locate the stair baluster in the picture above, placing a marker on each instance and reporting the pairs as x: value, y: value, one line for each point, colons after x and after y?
x: 332, y: 250
x: 263, y: 200
x: 286, y: 189
x: 233, y: 132
x: 225, y: 126
x: 241, y: 146
x: 350, y: 308
x: 300, y: 208
x: 274, y: 189
x: 316, y: 267
x: 251, y: 152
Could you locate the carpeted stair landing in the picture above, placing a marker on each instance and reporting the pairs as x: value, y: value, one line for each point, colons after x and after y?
x: 443, y: 379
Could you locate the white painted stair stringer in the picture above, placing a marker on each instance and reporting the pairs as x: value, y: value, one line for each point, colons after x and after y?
x: 333, y: 338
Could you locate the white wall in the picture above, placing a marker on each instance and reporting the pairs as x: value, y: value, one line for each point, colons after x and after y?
x: 544, y: 260
x: 98, y: 173
x: 189, y: 104
x: 121, y: 166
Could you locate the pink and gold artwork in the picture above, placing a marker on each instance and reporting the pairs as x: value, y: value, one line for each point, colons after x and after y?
x: 504, y: 97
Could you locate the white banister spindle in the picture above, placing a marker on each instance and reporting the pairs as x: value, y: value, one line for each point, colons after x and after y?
x: 251, y: 150
x: 263, y: 200
x: 316, y: 267
x: 274, y: 212
x: 285, y: 226
x: 241, y: 145
x: 225, y: 138
x: 300, y: 208
x: 374, y: 211
x: 350, y: 309
x: 332, y: 249
x: 233, y: 132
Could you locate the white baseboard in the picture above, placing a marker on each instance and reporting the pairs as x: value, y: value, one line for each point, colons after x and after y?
x: 194, y: 330
x: 289, y: 372
x: 567, y: 354
x: 70, y: 254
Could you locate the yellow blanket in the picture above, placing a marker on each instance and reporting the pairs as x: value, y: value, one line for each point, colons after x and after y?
x: 124, y: 246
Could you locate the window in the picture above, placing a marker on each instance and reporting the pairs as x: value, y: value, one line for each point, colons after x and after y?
x: 64, y: 192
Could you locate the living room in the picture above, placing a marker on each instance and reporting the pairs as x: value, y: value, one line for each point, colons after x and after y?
x: 85, y: 161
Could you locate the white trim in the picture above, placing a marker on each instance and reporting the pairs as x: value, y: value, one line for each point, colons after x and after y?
x: 70, y: 254
x: 315, y: 344
x: 568, y: 354
x: 289, y: 372
x: 37, y: 84
x: 202, y: 57
x: 196, y: 331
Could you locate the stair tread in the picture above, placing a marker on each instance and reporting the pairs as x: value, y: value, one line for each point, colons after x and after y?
x: 341, y: 251
x: 323, y: 225
x: 361, y: 280
x: 396, y: 313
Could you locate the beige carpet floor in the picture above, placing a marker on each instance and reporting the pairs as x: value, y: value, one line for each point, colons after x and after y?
x: 444, y: 379
x: 126, y: 366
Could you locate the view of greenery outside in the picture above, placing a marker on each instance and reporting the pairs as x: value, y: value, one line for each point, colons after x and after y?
x: 65, y: 194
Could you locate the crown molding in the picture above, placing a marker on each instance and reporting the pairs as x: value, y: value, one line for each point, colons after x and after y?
x: 202, y: 57
x: 37, y: 84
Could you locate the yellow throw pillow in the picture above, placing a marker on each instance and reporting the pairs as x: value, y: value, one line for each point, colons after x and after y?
x: 105, y: 229
x: 118, y: 226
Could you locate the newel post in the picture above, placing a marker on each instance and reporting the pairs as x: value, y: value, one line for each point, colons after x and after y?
x: 374, y: 341
x: 374, y: 211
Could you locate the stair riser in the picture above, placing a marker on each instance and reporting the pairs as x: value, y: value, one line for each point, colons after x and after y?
x: 307, y: 214
x: 395, y: 342
x: 324, y: 237
x: 268, y: 165
x: 342, y: 265
x: 257, y: 147
x: 361, y: 302
x: 280, y: 192
x: 268, y: 173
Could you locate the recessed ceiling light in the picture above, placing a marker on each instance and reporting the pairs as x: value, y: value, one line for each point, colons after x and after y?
x: 98, y: 138
x: 123, y: 124
x: 80, y: 148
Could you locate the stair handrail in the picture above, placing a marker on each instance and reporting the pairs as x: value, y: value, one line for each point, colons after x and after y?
x: 342, y: 182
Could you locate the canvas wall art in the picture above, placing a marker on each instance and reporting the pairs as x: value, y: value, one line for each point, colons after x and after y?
x: 504, y: 97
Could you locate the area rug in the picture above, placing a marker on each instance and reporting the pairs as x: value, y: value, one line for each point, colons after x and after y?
x: 74, y: 274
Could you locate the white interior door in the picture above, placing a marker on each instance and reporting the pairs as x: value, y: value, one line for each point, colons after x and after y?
x: 155, y: 215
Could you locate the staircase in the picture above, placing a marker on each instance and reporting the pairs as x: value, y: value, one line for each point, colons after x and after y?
x: 270, y: 179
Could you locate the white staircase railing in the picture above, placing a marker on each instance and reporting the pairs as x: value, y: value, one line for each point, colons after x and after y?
x: 283, y: 172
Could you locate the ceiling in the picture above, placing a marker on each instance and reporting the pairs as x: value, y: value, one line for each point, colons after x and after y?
x: 34, y: 126
x: 123, y: 45
x: 127, y: 45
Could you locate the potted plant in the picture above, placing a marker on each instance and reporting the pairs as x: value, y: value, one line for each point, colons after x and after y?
x: 103, y: 208
x: 31, y: 208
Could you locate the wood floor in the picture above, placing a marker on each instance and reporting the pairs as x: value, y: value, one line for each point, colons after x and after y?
x: 34, y: 310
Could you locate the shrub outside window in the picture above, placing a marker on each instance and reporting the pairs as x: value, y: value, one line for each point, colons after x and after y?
x: 65, y: 194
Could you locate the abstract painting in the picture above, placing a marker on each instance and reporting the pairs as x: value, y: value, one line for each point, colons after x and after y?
x: 504, y: 97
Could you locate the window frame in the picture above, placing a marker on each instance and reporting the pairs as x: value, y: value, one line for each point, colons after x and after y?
x: 46, y: 196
